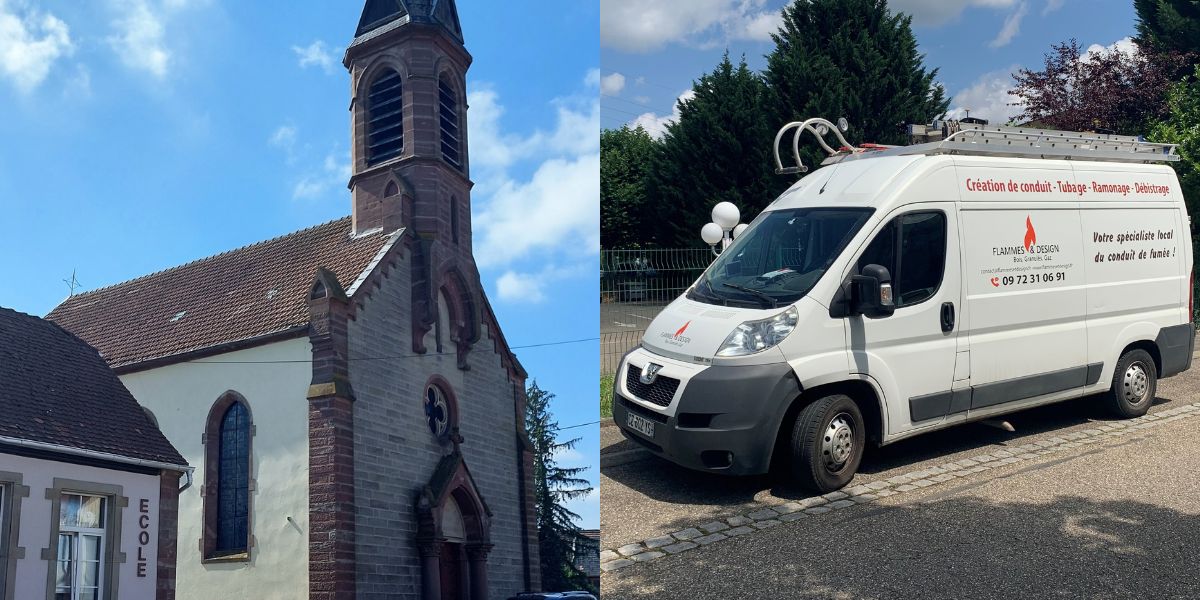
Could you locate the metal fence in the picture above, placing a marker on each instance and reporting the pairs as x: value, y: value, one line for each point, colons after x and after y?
x: 634, y: 286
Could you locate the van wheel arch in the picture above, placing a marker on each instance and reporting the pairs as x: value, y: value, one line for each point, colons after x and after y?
x: 861, y: 391
x: 1150, y: 347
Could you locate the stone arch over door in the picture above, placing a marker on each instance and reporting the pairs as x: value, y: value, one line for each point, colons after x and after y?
x: 454, y: 524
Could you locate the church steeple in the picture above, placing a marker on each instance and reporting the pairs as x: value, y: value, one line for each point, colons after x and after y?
x: 378, y: 13
x: 408, y: 69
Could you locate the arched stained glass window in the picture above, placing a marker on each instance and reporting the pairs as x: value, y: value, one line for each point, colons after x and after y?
x: 448, y: 120
x: 233, y: 480
x: 385, y: 117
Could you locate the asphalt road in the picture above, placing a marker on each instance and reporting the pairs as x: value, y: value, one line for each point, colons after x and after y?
x: 1111, y: 520
x: 628, y: 316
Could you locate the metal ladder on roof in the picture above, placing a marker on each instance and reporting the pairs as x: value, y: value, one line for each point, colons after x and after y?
x: 955, y: 137
x: 993, y: 140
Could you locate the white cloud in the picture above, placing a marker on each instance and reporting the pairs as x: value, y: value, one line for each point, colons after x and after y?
x: 30, y: 43
x: 557, y: 209
x: 577, y: 131
x: 80, y: 84
x: 518, y: 287
x: 284, y: 137
x: 934, y: 13
x: 535, y: 192
x: 140, y: 38
x: 514, y: 286
x: 316, y: 54
x: 612, y: 84
x: 646, y: 25
x: 335, y: 171
x: 1051, y: 6
x: 1124, y: 45
x: 592, y: 79
x: 655, y: 124
x: 987, y: 98
x: 1011, y: 27
x: 140, y: 32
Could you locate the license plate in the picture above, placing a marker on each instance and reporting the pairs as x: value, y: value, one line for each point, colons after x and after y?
x: 640, y: 424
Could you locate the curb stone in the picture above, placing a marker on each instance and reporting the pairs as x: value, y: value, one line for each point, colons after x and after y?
x: 613, y: 559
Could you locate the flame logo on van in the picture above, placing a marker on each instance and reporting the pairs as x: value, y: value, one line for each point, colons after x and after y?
x: 682, y: 329
x: 1030, y: 234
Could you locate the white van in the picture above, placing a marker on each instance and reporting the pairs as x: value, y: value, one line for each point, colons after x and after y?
x: 903, y: 290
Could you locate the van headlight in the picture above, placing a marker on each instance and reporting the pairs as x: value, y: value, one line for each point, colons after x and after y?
x: 756, y: 336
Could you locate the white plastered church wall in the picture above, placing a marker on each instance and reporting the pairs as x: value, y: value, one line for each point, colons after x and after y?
x: 180, y: 396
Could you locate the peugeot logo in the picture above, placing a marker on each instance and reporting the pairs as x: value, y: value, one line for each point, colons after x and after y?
x: 650, y: 373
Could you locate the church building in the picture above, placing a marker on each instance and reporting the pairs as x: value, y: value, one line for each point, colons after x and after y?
x: 344, y: 392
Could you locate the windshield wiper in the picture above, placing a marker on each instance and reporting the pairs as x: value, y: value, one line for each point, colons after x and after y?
x: 765, y: 297
x: 711, y: 294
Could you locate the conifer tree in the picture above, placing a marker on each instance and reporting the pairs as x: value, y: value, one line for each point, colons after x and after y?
x: 553, y: 486
x: 1165, y: 26
x: 854, y: 59
x: 718, y: 150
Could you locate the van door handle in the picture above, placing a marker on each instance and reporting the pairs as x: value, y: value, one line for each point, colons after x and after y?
x: 947, y: 316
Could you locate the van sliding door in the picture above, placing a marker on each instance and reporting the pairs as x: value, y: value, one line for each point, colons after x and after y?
x: 1025, y: 299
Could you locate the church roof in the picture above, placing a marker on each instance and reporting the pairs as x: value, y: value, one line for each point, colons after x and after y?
x: 247, y: 293
x: 58, y: 391
x: 384, y: 15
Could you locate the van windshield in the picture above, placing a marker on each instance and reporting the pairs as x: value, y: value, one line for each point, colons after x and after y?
x: 780, y: 257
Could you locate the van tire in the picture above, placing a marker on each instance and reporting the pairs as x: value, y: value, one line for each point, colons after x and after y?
x: 1134, y: 384
x: 827, y: 443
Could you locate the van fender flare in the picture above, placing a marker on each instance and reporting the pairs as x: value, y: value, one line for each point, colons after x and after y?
x: 831, y: 381
x: 1140, y: 331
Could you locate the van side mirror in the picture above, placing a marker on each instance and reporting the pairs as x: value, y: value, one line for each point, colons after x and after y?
x: 871, y: 292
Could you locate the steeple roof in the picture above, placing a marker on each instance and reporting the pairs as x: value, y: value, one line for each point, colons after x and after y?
x: 378, y: 14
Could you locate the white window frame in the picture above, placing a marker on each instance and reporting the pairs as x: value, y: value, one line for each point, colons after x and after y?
x: 76, y: 534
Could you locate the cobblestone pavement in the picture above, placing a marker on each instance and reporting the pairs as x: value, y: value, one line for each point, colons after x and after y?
x: 736, y: 514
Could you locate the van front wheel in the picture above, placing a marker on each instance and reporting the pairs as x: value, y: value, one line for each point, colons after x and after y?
x: 1134, y: 384
x: 827, y: 443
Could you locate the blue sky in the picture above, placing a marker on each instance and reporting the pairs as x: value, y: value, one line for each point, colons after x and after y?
x: 652, y: 50
x: 142, y: 134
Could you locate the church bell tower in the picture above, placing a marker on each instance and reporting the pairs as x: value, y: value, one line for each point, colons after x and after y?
x: 408, y: 109
x: 411, y: 167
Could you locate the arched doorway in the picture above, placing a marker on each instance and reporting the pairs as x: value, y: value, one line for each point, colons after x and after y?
x: 454, y: 553
x: 453, y: 534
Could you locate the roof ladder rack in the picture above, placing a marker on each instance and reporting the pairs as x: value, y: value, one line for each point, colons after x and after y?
x: 985, y: 140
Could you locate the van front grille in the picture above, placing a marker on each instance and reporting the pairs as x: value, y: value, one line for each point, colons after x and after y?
x: 660, y: 393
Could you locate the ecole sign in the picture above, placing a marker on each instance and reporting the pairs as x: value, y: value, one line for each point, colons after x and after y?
x: 143, y: 535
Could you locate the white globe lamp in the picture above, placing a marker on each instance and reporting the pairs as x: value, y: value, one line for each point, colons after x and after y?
x: 711, y: 234
x: 726, y: 215
x: 739, y: 229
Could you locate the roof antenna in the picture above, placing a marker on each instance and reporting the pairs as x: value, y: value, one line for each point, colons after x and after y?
x: 72, y: 283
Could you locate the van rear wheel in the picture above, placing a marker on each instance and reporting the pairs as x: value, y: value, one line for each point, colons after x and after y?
x: 827, y: 443
x: 1134, y: 384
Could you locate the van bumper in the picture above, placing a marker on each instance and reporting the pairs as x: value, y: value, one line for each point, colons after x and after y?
x: 723, y: 419
x: 1175, y: 347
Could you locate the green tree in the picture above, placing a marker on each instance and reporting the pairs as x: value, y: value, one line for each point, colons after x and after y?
x: 625, y: 156
x: 1165, y: 26
x: 1182, y: 127
x: 718, y: 150
x: 553, y: 486
x: 853, y: 59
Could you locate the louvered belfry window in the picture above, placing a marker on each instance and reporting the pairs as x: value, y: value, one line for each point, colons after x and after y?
x: 448, y: 119
x: 233, y: 480
x: 385, y: 117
